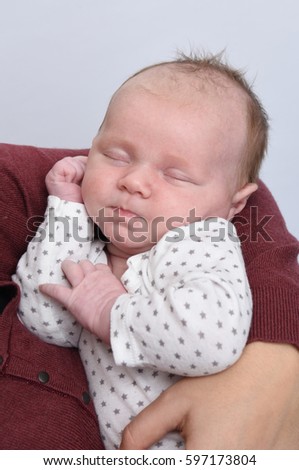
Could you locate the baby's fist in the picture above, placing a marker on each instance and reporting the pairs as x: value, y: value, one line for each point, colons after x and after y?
x: 65, y: 177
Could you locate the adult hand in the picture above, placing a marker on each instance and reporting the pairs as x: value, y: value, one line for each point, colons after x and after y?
x: 252, y: 405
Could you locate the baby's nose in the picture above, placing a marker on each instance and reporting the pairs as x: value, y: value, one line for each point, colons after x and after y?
x: 137, y: 181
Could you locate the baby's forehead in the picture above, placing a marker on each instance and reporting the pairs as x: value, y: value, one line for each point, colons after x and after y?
x: 185, y: 84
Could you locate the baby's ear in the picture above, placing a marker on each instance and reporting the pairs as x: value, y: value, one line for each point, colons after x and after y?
x: 240, y: 198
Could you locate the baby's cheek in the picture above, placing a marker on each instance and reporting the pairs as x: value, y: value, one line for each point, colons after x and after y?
x: 89, y: 190
x: 84, y: 185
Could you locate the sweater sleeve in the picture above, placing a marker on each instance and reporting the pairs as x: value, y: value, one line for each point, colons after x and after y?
x: 271, y: 259
x: 66, y: 232
x: 192, y: 314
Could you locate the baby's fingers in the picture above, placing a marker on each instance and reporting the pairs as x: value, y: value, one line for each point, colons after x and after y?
x: 60, y: 293
x: 73, y: 272
x: 76, y: 272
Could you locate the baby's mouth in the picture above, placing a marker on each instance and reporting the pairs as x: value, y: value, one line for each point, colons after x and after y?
x: 126, y: 213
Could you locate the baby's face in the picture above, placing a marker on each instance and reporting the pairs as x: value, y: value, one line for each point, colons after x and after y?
x: 160, y: 162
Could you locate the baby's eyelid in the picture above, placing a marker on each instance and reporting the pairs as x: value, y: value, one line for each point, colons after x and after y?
x: 177, y: 175
x: 117, y: 156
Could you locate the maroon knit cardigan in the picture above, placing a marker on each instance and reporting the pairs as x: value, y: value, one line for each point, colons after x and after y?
x: 44, y: 400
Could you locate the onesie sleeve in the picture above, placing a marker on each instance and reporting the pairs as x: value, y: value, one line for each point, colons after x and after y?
x: 192, y: 315
x: 66, y: 232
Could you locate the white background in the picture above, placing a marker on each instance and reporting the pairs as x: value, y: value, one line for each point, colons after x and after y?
x: 60, y: 61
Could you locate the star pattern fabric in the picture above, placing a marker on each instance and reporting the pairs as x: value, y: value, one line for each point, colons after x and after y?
x: 187, y: 311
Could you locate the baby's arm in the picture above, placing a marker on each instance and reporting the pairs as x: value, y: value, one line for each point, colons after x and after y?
x: 196, y: 315
x: 66, y: 232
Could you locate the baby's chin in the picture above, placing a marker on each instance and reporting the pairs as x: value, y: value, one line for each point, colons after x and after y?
x: 126, y: 246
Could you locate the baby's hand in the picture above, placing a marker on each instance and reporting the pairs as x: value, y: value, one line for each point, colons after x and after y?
x: 93, y: 291
x: 64, y: 179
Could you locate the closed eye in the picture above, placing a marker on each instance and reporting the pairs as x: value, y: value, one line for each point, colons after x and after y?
x: 178, y: 176
x: 118, y: 159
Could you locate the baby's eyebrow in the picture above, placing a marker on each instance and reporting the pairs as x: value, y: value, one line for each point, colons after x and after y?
x: 176, y: 161
x: 111, y: 139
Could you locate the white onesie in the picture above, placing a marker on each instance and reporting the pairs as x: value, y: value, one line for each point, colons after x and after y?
x: 187, y: 311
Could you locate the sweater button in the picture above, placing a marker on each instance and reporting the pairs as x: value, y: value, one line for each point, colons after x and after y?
x: 43, y: 377
x: 86, y: 398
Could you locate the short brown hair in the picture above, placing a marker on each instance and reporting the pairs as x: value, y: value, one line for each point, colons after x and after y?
x: 257, y: 118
